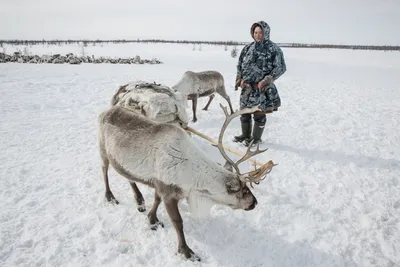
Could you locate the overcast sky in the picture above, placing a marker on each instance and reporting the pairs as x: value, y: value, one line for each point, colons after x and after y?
x: 317, y: 21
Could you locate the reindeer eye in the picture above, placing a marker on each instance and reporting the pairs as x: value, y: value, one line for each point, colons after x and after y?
x: 233, y: 190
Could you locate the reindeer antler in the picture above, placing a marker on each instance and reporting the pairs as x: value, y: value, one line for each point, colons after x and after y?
x: 228, y: 119
x: 257, y: 175
x: 253, y: 176
x: 250, y: 153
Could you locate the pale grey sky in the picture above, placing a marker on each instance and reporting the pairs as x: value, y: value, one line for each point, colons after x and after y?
x: 372, y: 22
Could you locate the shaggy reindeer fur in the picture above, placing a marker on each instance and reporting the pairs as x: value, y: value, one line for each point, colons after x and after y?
x: 155, y: 101
x: 163, y: 156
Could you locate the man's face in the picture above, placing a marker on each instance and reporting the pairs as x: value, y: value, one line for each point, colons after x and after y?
x: 258, y: 34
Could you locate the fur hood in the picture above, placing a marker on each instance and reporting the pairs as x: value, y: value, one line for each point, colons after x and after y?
x: 263, y: 26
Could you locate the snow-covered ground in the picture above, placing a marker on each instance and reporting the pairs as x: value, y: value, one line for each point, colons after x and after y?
x: 333, y: 200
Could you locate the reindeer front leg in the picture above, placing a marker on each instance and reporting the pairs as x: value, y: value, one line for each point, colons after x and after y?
x: 138, y: 197
x: 194, y: 98
x: 173, y: 212
x: 153, y: 219
x: 109, y: 195
x: 209, y: 102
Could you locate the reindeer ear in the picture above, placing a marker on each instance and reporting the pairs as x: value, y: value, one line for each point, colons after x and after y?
x: 228, y: 166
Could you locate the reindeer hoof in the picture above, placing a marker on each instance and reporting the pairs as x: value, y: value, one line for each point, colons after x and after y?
x: 154, y: 222
x: 141, y: 208
x: 194, y: 120
x: 110, y: 198
x: 155, y: 226
x: 113, y: 201
x: 188, y: 254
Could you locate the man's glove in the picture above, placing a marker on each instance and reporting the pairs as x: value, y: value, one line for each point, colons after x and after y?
x: 264, y: 83
x: 237, y: 82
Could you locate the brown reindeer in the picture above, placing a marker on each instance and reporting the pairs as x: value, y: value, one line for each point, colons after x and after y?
x: 164, y: 157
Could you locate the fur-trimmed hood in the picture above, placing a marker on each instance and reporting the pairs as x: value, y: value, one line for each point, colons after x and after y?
x: 263, y: 26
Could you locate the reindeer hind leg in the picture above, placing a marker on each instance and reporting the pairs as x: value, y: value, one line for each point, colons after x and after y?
x: 222, y: 92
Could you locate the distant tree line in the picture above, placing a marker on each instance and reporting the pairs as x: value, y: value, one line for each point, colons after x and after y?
x: 330, y: 46
x: 225, y: 43
x: 97, y: 41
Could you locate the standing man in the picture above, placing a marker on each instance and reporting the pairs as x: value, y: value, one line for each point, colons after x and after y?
x: 260, y: 64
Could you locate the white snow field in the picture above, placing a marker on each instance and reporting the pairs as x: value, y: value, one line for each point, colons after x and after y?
x: 333, y: 200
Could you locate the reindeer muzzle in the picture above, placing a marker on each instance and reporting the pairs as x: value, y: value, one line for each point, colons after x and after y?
x: 253, y: 205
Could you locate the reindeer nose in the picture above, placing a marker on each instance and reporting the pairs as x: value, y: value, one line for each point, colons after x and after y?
x: 253, y: 205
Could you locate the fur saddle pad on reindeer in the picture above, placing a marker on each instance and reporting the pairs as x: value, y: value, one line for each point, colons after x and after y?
x: 154, y: 101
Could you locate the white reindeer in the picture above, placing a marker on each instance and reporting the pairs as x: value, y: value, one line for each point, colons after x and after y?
x: 164, y: 157
x: 155, y: 101
x: 201, y: 84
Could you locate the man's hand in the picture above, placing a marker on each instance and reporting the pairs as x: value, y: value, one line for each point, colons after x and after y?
x: 264, y: 83
x: 237, y: 82
x: 260, y: 86
x: 242, y: 84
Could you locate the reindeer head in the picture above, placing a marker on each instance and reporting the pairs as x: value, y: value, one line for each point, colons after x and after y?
x: 240, y: 196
